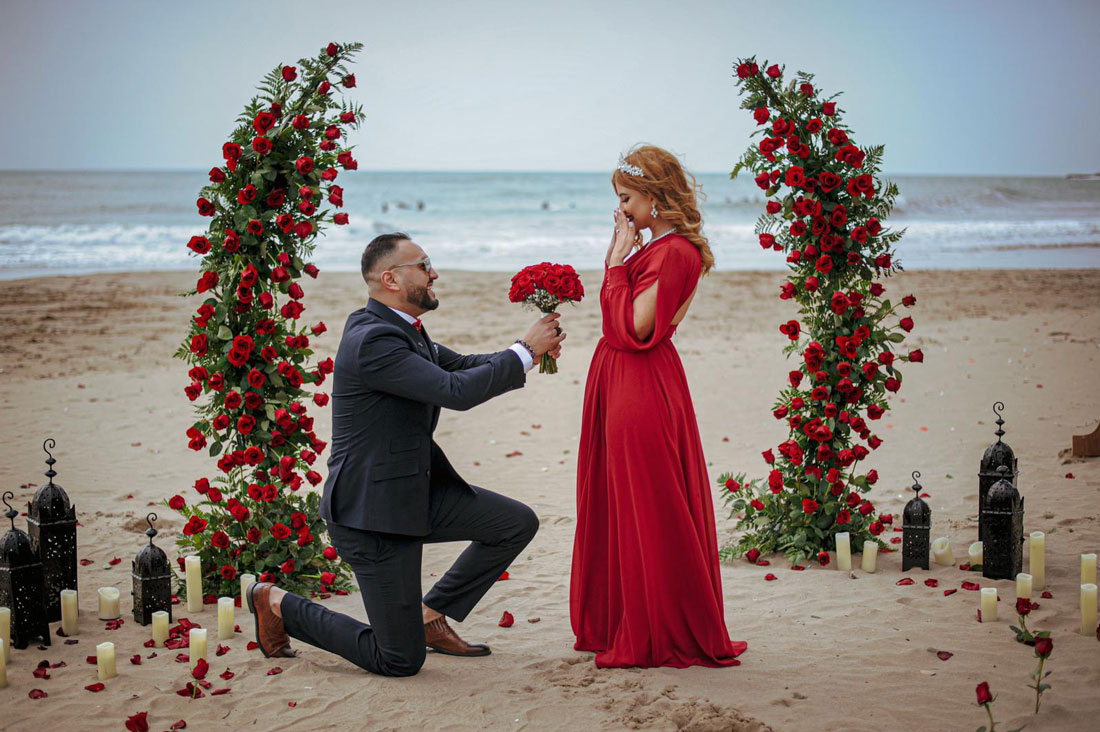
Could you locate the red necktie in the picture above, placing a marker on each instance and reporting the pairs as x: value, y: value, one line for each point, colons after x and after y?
x: 418, y: 326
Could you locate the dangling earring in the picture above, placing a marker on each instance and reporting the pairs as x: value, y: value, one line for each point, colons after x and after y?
x: 653, y: 211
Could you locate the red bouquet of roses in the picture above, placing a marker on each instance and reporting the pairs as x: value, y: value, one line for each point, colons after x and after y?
x: 543, y: 287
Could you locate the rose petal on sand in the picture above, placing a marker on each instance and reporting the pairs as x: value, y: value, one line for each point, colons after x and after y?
x: 85, y: 562
x: 972, y: 586
x: 226, y: 675
x: 944, y: 655
x: 37, y: 694
x: 503, y: 576
x: 506, y: 620
x: 906, y: 581
x: 1069, y: 475
x: 1046, y: 595
x: 178, y: 725
x: 138, y: 722
x: 275, y: 671
x: 252, y: 645
x: 762, y: 563
x: 292, y: 704
x: 952, y: 591
x: 136, y: 659
x: 769, y: 577
x: 98, y: 686
x: 932, y: 582
x: 219, y: 692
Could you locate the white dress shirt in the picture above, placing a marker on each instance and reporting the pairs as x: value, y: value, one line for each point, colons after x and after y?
x: 523, y: 353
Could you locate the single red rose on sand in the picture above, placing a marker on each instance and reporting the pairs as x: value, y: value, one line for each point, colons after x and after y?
x: 984, y: 695
x: 1023, y: 606
x: 1044, y: 647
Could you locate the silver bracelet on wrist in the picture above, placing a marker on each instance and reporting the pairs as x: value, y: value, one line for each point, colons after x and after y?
x: 527, y: 346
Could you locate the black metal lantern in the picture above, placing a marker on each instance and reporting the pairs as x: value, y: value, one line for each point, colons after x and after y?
x: 916, y: 527
x: 997, y: 455
x: 152, y: 576
x: 1003, y: 517
x: 21, y: 584
x: 51, y: 522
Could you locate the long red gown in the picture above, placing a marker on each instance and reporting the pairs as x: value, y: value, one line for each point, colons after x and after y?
x: 645, y: 588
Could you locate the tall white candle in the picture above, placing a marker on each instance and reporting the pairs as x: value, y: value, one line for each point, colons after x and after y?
x: 1037, y: 567
x: 197, y: 646
x: 942, y: 553
x: 70, y: 612
x: 1088, y: 569
x: 1088, y: 609
x: 160, y: 628
x: 225, y: 618
x: 1023, y: 585
x: 975, y: 553
x: 989, y: 604
x: 105, y: 661
x: 247, y: 580
x: 5, y: 631
x: 843, y: 551
x: 870, y: 554
x: 108, y: 603
x: 3, y: 664
x: 193, y: 570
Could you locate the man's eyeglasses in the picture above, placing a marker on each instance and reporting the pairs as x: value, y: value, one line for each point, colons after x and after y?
x: 424, y: 264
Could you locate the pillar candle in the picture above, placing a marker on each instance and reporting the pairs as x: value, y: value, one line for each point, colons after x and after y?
x: 197, y: 646
x: 105, y: 661
x: 989, y: 604
x: 1088, y: 569
x: 870, y: 554
x: 5, y: 631
x: 1037, y: 567
x: 70, y: 613
x: 3, y: 664
x: 108, y: 603
x: 247, y: 580
x: 1023, y: 585
x: 975, y: 553
x: 1088, y: 609
x: 843, y: 551
x: 941, y: 551
x: 225, y: 618
x: 160, y: 628
x: 193, y: 571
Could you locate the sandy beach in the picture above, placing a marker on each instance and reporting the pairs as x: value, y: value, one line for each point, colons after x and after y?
x: 88, y: 361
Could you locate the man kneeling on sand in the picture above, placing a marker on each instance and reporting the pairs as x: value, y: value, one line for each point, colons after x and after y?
x: 390, y: 488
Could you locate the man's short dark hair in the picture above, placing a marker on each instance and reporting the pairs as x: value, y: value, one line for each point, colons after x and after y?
x: 380, y: 247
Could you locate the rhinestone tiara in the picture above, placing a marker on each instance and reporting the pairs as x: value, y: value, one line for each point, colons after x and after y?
x: 629, y: 169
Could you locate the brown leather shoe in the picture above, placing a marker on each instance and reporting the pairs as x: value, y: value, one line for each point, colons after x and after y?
x: 441, y: 638
x: 270, y: 632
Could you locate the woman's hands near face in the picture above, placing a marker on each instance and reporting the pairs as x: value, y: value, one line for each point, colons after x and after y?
x: 622, y: 241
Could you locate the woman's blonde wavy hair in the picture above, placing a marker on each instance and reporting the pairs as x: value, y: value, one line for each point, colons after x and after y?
x: 675, y: 191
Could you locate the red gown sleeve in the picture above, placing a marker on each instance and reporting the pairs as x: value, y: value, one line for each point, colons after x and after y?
x: 675, y: 267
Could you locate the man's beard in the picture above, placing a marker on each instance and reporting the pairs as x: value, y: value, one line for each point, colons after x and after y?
x: 422, y: 298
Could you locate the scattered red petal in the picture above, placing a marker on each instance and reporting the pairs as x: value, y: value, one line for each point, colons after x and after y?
x: 1034, y: 605
x: 798, y: 568
x: 150, y: 643
x: 944, y: 655
x: 952, y: 591
x: 62, y: 664
x: 503, y: 576
x: 1069, y: 475
x: 42, y: 672
x: 932, y: 582
x: 91, y: 660
x: 964, y: 567
x: 762, y: 562
x: 1046, y: 595
x: 191, y: 690
x: 138, y: 722
x: 972, y: 586
x: 72, y: 642
x: 514, y: 453
x: 203, y: 684
x: 136, y: 659
x: 183, y: 658
x: 906, y: 581
x: 769, y: 577
x: 85, y: 562
x: 506, y: 620
x: 219, y: 692
x: 96, y: 687
x: 252, y: 645
x: 895, y: 539
x: 178, y: 725
x: 275, y: 671
x: 227, y: 675
x: 152, y: 655
x: 341, y: 592
x: 925, y: 495
x: 114, y: 561
x: 292, y: 704
x: 37, y: 694
x: 222, y: 650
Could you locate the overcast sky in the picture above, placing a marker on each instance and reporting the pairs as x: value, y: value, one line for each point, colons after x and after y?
x: 960, y: 87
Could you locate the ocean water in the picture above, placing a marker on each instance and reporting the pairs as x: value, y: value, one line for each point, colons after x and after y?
x: 83, y: 222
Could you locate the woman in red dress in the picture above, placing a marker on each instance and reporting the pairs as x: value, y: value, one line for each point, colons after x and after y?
x: 645, y: 588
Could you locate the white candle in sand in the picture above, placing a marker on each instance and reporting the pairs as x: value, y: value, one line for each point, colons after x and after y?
x: 1088, y: 609
x: 870, y: 554
x: 5, y: 631
x: 1023, y: 585
x: 941, y: 551
x: 1037, y: 566
x: 105, y: 661
x: 989, y: 604
x: 70, y: 612
x: 108, y: 603
x: 3, y: 664
x: 160, y: 628
x: 193, y: 569
x: 225, y: 618
x: 975, y: 553
x: 197, y: 645
x: 1088, y: 569
x: 247, y: 580
x: 843, y: 551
